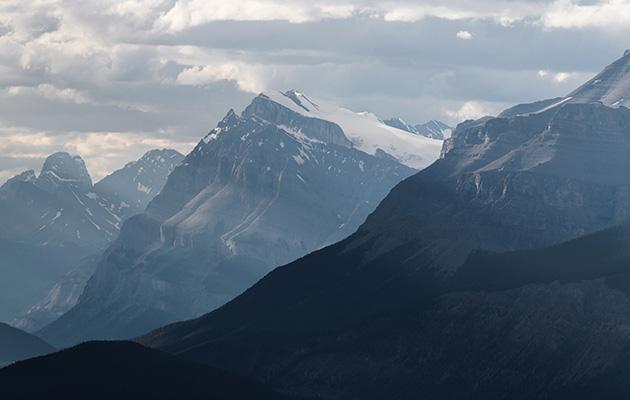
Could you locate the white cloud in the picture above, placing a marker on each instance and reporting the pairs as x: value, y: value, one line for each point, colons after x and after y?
x: 246, y: 76
x: 97, y: 60
x: 23, y: 138
x: 601, y: 14
x: 50, y: 92
x: 563, y: 76
x: 6, y: 174
x: 454, y: 11
x: 185, y: 14
x: 558, y: 77
x: 464, y: 35
x: 474, y: 110
x: 190, y: 13
x: 103, y: 152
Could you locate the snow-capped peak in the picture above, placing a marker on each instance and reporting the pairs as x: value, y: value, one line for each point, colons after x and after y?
x: 231, y: 119
x: 364, y: 130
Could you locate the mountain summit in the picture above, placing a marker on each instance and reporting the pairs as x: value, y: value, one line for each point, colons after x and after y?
x: 363, y: 131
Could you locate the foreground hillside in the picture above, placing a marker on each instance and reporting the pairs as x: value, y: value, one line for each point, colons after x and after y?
x: 122, y: 370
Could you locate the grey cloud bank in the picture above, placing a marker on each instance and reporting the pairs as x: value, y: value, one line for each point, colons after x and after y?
x: 112, y: 79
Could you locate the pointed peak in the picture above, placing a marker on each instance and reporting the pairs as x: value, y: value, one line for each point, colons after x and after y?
x: 230, y: 119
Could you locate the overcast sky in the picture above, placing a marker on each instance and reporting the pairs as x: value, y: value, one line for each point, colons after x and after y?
x: 110, y: 79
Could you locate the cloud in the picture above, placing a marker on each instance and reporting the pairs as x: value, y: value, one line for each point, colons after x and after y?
x: 563, y: 76
x: 601, y: 14
x: 560, y: 77
x: 464, y: 35
x: 246, y: 76
x: 50, y: 92
x: 124, y: 75
x: 181, y: 15
x: 187, y: 14
x: 103, y: 152
x: 474, y: 110
x: 30, y: 139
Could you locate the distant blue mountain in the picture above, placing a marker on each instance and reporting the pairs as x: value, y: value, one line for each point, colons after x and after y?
x: 51, y: 221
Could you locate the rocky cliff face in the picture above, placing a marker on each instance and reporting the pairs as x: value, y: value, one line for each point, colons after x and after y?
x: 264, y: 109
x: 260, y: 190
x: 515, y: 182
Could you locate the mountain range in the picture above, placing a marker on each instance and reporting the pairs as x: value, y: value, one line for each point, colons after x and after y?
x: 288, y: 176
x: 433, y: 129
x: 498, y: 272
x: 53, y: 220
